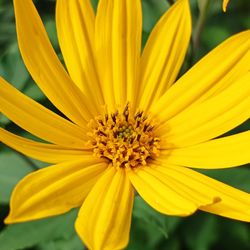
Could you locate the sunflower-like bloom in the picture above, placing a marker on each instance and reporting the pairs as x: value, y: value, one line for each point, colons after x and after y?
x: 224, y: 5
x: 127, y: 126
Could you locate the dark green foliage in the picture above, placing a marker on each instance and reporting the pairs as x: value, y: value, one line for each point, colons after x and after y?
x: 150, y: 229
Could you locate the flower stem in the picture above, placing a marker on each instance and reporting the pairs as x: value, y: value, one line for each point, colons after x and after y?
x: 204, y: 7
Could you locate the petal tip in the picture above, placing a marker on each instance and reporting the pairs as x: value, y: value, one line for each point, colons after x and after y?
x: 224, y: 5
x: 9, y: 220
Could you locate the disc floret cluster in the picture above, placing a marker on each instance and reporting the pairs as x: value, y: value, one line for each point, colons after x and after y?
x: 126, y: 140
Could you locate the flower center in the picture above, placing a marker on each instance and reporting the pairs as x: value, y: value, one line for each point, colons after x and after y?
x: 125, y: 140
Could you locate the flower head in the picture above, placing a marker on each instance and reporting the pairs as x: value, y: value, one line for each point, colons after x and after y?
x: 125, y: 140
x: 128, y: 126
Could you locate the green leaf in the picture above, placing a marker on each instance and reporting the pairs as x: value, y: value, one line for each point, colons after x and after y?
x: 152, y: 11
x: 50, y: 26
x: 246, y: 22
x: 204, y: 230
x: 30, y: 234
x: 12, y: 169
x: 236, y: 233
x: 94, y: 3
x: 155, y: 224
x: 33, y: 91
x: 214, y: 35
x: 3, y: 120
x: 147, y: 214
x: 72, y: 243
x: 237, y: 177
x: 230, y: 234
x: 12, y: 67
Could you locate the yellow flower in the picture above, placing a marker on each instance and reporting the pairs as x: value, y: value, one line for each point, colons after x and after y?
x: 225, y: 3
x: 128, y: 128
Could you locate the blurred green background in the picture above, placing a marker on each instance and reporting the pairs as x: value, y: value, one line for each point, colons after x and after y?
x: 150, y: 230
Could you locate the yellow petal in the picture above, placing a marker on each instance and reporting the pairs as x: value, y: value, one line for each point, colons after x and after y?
x: 118, y: 43
x: 225, y: 3
x: 230, y: 151
x: 233, y: 202
x: 164, y: 53
x: 204, y: 80
x: 45, y: 67
x: 210, y: 118
x: 186, y: 188
x: 38, y: 120
x: 49, y: 153
x: 158, y: 193
x: 54, y: 190
x: 75, y: 21
x: 105, y: 217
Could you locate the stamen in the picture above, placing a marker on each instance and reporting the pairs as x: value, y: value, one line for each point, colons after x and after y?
x: 127, y: 141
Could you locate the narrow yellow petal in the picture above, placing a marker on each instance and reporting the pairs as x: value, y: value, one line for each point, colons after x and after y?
x: 164, y: 53
x: 188, y: 189
x: 54, y: 190
x: 230, y: 151
x: 104, y: 220
x: 159, y: 194
x: 204, y: 80
x: 38, y: 120
x: 49, y: 153
x: 45, y: 67
x: 231, y: 203
x: 210, y: 118
x: 75, y: 21
x: 118, y: 43
x: 225, y: 3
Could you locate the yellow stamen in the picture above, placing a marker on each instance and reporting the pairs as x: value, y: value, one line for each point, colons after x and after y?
x: 127, y: 141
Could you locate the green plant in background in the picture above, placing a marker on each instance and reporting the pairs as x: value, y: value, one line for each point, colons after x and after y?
x: 150, y: 229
